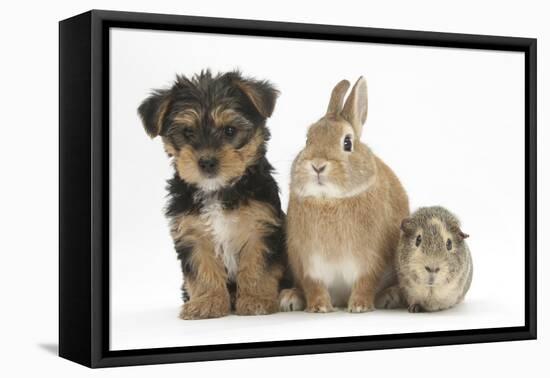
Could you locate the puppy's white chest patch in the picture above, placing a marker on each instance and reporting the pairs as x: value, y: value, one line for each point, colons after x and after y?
x: 222, y: 226
x: 337, y: 275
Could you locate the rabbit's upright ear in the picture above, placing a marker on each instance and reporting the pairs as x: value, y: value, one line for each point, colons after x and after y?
x: 355, y: 108
x: 337, y: 97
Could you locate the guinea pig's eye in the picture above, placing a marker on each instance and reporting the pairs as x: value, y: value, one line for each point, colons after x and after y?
x: 449, y: 244
x: 347, y: 143
x: 229, y: 131
x: 418, y: 240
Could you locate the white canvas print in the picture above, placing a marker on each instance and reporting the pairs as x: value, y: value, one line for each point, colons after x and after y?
x: 447, y: 123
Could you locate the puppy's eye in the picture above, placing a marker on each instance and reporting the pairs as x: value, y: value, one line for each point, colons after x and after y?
x: 229, y: 131
x: 418, y: 240
x: 449, y: 244
x: 347, y: 143
x: 188, y: 132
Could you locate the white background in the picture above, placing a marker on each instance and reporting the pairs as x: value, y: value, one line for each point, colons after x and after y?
x: 450, y: 122
x: 29, y: 195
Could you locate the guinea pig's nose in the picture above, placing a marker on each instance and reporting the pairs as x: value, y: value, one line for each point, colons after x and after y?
x: 431, y: 270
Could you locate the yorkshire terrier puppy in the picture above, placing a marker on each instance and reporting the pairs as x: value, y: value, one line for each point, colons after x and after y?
x: 224, y: 209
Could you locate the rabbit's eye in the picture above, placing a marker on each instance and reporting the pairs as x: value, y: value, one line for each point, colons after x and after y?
x: 418, y: 240
x: 347, y: 143
x: 449, y: 244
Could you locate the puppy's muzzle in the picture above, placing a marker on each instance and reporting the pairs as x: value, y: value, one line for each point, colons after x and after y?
x: 209, y: 165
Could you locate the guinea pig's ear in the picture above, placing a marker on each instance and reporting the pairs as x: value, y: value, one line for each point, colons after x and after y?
x: 462, y: 235
x: 153, y: 111
x: 337, y: 97
x: 355, y: 108
x: 455, y: 229
x: 407, y: 226
x: 261, y: 93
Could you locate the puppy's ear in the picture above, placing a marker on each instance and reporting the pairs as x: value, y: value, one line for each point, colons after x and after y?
x: 337, y: 97
x: 153, y: 111
x: 355, y: 108
x: 261, y: 93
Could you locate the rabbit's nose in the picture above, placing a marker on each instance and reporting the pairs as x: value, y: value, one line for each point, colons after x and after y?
x: 318, y: 168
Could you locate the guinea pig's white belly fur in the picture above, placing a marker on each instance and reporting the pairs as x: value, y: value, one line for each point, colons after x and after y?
x: 338, y: 275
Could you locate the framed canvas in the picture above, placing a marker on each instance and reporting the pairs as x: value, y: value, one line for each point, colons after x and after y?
x: 177, y: 141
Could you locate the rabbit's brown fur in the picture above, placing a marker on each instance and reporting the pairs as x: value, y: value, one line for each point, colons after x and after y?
x: 343, y: 223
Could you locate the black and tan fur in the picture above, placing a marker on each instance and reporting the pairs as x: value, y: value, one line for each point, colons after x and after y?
x: 224, y: 209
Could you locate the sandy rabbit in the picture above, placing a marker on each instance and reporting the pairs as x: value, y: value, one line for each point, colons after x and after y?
x: 344, y: 212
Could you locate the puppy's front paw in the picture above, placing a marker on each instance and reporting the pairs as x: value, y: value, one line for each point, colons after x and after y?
x: 205, y: 307
x: 252, y: 305
x: 320, y: 305
x: 358, y: 305
x: 415, y: 307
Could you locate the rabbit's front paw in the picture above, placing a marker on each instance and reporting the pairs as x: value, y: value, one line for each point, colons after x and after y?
x: 357, y: 305
x: 320, y: 305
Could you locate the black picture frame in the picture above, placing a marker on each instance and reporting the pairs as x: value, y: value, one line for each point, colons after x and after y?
x: 84, y: 187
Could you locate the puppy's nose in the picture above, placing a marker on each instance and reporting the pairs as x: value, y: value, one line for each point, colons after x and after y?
x: 431, y: 269
x: 318, y: 168
x: 208, y: 164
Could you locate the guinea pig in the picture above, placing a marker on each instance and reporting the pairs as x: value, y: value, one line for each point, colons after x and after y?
x: 433, y: 263
x: 344, y: 212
